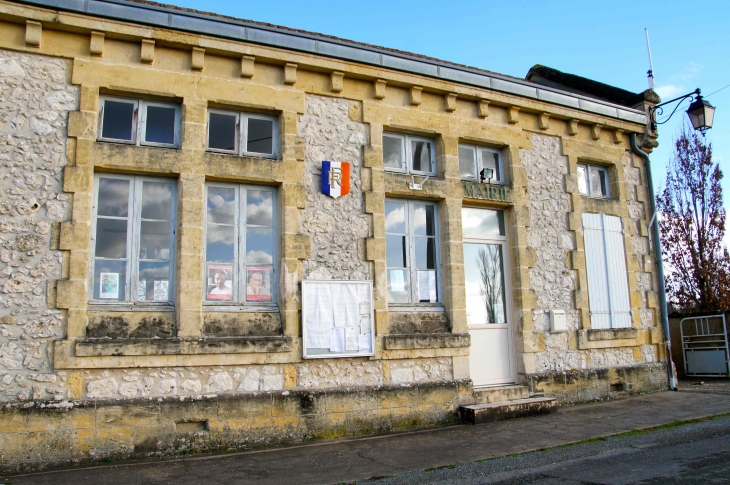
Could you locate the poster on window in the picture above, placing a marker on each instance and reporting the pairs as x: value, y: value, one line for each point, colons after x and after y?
x: 337, y: 318
x: 258, y: 284
x: 220, y: 282
x: 109, y: 285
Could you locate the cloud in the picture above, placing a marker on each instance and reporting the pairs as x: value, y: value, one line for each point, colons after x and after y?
x: 669, y: 91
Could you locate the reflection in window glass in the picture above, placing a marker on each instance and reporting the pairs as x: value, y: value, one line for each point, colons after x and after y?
x: 156, y: 200
x: 393, y: 152
x: 395, y: 250
x: 111, y: 238
x: 582, y: 180
x: 423, y: 219
x: 485, y: 285
x: 467, y: 162
x: 260, y: 137
x: 118, y: 120
x: 221, y: 205
x: 490, y: 160
x: 421, y: 153
x: 482, y: 222
x: 160, y: 125
x: 259, y: 245
x: 407, y: 153
x: 593, y: 180
x: 259, y: 208
x: 598, y: 182
x: 395, y: 217
x: 222, y: 131
x: 220, y: 242
x: 115, y: 202
x: 426, y: 252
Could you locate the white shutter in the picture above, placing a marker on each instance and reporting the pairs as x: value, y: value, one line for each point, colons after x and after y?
x: 608, y: 291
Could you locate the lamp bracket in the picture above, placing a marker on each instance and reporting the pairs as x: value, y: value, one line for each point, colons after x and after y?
x: 658, y: 110
x: 414, y: 186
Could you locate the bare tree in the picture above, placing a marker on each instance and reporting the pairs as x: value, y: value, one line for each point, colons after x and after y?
x: 490, y: 270
x: 692, y: 228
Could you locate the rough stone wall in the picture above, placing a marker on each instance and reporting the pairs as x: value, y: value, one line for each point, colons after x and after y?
x: 337, y: 226
x: 34, y: 103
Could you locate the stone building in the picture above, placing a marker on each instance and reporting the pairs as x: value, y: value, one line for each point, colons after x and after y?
x: 161, y: 166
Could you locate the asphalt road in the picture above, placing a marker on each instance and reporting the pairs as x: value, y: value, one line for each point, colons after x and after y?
x: 697, y: 453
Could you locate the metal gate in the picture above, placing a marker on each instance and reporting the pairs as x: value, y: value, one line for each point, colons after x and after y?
x: 705, y: 346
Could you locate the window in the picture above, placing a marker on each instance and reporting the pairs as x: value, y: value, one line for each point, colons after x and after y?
x: 409, y: 154
x: 242, y: 133
x: 472, y: 159
x: 412, y: 251
x: 139, y: 122
x: 240, y: 244
x: 593, y: 181
x: 608, y: 290
x: 133, y: 239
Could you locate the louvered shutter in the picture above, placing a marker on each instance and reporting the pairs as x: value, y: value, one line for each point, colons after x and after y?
x: 618, y: 284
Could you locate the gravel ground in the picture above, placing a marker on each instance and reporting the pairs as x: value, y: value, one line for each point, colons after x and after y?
x: 704, y: 384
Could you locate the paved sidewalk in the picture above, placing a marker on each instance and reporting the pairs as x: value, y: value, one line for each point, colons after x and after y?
x: 346, y: 461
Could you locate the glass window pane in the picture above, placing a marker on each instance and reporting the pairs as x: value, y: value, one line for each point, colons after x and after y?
x: 118, y: 120
x: 111, y: 238
x: 393, y: 152
x: 582, y: 180
x: 482, y: 222
x: 424, y: 219
x: 160, y: 125
x: 154, y: 282
x: 222, y: 131
x: 222, y: 205
x: 421, y: 153
x: 260, y: 136
x: 154, y: 240
x: 490, y: 159
x: 426, y: 253
x: 598, y: 182
x: 156, y: 200
x: 399, y: 288
x: 219, y: 243
x: 484, y: 276
x: 467, y: 163
x: 395, y: 217
x: 602, y: 174
x: 259, y: 208
x: 395, y: 251
x: 109, y: 280
x: 113, y: 197
x: 259, y: 245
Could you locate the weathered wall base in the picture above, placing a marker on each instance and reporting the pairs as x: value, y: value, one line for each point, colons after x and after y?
x: 580, y: 386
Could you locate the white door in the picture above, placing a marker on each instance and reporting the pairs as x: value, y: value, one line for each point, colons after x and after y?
x: 491, y: 358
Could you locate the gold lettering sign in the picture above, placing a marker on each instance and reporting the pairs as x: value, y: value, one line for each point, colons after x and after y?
x: 335, y: 177
x: 487, y: 192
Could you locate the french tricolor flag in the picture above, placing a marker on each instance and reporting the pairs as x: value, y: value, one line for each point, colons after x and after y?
x: 335, y: 178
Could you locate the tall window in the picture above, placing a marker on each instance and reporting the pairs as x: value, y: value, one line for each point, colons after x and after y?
x: 608, y: 290
x: 242, y: 133
x: 240, y: 244
x: 409, y: 154
x: 133, y: 239
x: 473, y: 159
x: 139, y: 122
x: 593, y: 181
x: 412, y: 251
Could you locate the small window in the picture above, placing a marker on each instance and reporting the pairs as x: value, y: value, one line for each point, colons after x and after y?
x: 473, y: 159
x: 593, y: 181
x: 412, y: 251
x: 409, y: 154
x: 133, y: 238
x: 240, y: 244
x: 242, y: 133
x: 139, y: 122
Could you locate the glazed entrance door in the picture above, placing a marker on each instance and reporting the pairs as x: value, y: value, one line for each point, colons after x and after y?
x: 487, y: 297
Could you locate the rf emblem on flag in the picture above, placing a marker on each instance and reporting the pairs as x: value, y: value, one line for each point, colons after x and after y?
x: 335, y: 178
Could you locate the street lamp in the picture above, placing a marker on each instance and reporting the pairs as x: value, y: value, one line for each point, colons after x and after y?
x: 701, y: 113
x: 486, y: 173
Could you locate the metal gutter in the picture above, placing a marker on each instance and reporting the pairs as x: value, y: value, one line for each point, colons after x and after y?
x: 199, y: 23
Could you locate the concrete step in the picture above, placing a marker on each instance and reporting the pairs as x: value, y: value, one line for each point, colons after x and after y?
x: 497, y: 411
x: 486, y: 395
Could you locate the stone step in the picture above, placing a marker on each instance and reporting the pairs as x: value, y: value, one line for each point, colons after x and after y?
x: 502, y: 393
x: 497, y: 411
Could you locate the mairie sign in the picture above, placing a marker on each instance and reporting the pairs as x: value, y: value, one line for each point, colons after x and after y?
x: 335, y: 178
x: 487, y: 192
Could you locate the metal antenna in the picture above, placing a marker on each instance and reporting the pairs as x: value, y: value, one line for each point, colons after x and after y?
x: 650, y: 72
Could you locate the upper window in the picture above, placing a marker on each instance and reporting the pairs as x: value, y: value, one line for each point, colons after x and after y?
x: 593, y: 181
x: 474, y: 159
x: 139, y: 122
x: 240, y: 244
x: 242, y: 133
x: 409, y: 154
x: 133, y: 239
x: 412, y: 251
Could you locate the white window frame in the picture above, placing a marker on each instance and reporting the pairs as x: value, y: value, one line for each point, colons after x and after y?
x: 239, y: 263
x: 407, y: 155
x: 411, y: 256
x: 241, y: 136
x: 134, y: 223
x: 479, y: 165
x: 139, y: 121
x: 588, y: 168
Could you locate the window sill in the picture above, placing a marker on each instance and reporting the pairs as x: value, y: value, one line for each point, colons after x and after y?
x: 427, y: 341
x: 128, y: 307
x: 234, y: 308
x: 177, y: 346
x: 613, y: 338
x: 424, y: 307
x: 612, y: 333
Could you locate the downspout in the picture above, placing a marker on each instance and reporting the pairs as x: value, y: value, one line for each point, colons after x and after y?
x: 671, y: 377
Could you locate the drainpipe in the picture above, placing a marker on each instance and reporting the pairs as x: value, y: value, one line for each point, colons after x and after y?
x: 671, y: 377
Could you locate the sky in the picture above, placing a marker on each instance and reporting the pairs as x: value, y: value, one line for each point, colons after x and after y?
x: 603, y: 41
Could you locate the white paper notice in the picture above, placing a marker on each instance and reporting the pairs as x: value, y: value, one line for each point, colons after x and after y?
x: 397, y: 282
x: 317, y: 337
x: 363, y: 343
x: 345, y: 305
x: 351, y: 338
x: 427, y: 286
x: 337, y: 340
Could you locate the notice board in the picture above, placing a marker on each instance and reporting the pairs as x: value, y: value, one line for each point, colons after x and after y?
x: 337, y: 318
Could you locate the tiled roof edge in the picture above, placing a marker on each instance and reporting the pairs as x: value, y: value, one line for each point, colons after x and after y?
x: 176, y: 18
